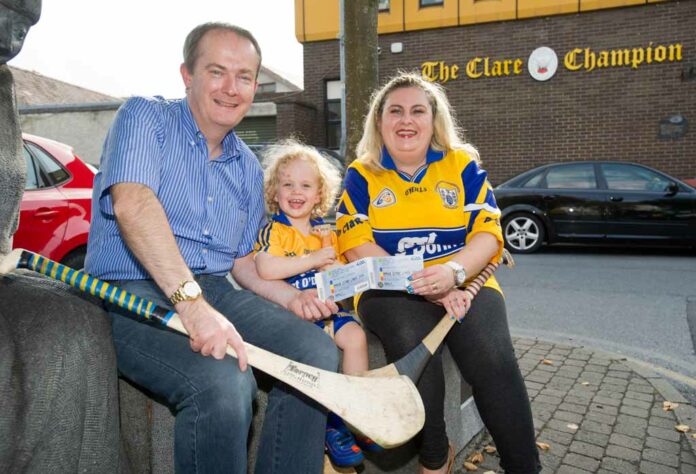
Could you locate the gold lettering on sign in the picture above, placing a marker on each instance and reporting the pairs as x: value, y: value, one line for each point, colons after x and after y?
x: 478, y: 67
x: 439, y: 71
x: 589, y: 60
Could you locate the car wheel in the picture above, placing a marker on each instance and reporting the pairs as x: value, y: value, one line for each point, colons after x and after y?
x: 75, y: 259
x: 524, y: 233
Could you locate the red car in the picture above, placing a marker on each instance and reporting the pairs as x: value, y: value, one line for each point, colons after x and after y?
x: 56, y: 207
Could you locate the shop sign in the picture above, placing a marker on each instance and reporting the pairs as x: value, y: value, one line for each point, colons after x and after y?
x: 543, y: 62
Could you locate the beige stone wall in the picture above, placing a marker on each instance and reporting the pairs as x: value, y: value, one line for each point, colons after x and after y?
x: 84, y: 131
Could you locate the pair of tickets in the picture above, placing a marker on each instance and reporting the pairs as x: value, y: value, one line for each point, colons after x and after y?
x: 370, y: 273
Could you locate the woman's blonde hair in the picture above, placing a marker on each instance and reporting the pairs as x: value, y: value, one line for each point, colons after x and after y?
x: 446, y: 134
x: 283, y: 153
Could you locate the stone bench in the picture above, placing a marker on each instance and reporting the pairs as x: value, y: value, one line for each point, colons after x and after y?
x: 147, y: 426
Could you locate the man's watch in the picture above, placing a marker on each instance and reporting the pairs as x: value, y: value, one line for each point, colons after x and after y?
x: 459, y: 272
x: 188, y: 291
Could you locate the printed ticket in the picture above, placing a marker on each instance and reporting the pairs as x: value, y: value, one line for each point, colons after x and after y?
x: 384, y: 273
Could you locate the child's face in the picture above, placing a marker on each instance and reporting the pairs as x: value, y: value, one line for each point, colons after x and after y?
x: 298, y: 189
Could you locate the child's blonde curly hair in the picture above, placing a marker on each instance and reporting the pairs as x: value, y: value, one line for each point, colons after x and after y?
x: 284, y: 152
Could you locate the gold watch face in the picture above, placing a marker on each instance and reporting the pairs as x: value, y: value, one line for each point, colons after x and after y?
x: 191, y: 289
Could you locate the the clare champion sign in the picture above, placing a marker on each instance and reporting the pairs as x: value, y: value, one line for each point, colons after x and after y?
x: 543, y: 62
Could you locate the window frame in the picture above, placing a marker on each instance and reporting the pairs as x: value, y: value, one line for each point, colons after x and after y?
x: 435, y: 3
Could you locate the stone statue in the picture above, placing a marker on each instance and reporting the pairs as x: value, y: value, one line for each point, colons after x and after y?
x: 58, y: 381
x: 16, y: 17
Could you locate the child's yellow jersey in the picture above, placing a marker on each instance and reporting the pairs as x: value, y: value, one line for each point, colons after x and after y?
x: 281, y: 239
x: 432, y: 213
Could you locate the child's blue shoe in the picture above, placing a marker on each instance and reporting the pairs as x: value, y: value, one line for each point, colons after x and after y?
x: 340, y: 444
x: 341, y: 448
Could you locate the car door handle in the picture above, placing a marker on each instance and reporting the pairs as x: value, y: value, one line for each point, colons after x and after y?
x: 615, y: 198
x: 46, y: 213
x: 548, y: 197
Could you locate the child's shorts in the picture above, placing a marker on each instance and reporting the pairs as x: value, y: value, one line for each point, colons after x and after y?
x: 335, y: 322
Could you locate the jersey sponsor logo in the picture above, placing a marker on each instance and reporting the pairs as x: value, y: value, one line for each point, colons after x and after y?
x: 349, y: 225
x: 416, y: 189
x: 429, y: 245
x: 303, y: 281
x: 449, y: 193
x: 385, y: 198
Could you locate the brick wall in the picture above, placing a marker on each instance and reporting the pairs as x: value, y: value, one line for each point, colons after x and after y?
x: 518, y: 122
x: 296, y: 119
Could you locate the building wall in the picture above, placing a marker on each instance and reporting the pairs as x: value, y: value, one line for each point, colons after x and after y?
x: 298, y: 121
x: 84, y: 131
x: 518, y: 122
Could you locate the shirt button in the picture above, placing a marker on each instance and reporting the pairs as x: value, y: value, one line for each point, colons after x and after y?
x: 192, y: 143
x: 210, y: 198
x: 205, y: 250
x: 205, y: 232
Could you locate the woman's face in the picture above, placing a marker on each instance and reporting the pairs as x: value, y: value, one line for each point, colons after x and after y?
x: 406, y: 124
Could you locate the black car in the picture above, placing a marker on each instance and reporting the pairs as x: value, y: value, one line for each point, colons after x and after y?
x: 595, y: 202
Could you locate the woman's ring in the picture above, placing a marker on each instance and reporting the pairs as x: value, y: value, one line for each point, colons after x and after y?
x: 433, y: 286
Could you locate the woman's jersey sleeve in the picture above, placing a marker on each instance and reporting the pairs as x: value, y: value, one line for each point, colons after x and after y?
x: 479, y: 202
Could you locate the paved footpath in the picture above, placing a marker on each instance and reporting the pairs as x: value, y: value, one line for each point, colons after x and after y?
x: 598, y: 412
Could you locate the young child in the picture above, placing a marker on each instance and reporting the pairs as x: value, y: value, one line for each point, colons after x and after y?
x: 300, y: 188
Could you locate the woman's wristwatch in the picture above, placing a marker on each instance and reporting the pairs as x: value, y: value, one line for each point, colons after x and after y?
x: 458, y: 271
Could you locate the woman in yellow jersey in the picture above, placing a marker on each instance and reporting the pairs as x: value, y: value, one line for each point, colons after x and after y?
x: 417, y: 188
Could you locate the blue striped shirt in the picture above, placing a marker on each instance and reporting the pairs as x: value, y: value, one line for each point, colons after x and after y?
x: 215, y: 207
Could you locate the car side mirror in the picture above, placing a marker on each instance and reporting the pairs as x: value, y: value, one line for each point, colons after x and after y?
x: 672, y: 189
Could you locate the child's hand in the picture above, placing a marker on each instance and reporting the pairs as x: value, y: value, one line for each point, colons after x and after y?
x: 323, y: 257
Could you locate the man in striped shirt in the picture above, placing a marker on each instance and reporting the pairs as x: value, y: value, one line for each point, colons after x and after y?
x: 176, y: 206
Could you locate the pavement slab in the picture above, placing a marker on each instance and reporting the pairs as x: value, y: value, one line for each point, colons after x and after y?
x: 598, y: 413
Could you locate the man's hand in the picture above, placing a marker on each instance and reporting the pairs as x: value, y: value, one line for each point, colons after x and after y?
x: 307, y: 305
x: 210, y: 332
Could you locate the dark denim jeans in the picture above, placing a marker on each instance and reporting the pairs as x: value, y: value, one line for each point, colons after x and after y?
x: 212, y: 399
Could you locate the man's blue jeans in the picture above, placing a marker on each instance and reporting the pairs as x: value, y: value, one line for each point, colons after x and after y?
x: 212, y: 398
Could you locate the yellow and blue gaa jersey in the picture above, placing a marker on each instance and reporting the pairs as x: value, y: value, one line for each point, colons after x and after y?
x: 432, y: 213
x: 281, y: 239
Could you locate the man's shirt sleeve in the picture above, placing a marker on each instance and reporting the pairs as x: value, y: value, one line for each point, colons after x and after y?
x: 352, y: 221
x: 479, y: 203
x: 132, y: 151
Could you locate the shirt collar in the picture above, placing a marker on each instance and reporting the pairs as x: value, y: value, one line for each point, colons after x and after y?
x: 283, y: 219
x: 230, y: 144
x: 431, y: 156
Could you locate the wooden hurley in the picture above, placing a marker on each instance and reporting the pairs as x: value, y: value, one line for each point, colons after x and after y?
x: 387, y: 409
x: 412, y: 364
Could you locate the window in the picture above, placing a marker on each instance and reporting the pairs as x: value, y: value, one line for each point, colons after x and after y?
x: 49, y: 172
x: 633, y: 178
x: 334, y: 91
x: 383, y: 5
x: 577, y: 176
x: 430, y: 3
x: 32, y: 180
x: 534, y: 181
x: 265, y: 88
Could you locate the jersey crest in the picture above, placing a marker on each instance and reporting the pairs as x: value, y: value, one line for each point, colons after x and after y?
x: 449, y: 194
x: 385, y: 198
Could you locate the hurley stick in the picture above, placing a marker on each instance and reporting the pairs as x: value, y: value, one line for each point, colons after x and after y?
x: 412, y: 364
x: 386, y: 409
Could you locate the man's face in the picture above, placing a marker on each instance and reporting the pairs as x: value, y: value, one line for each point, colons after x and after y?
x: 221, y: 87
